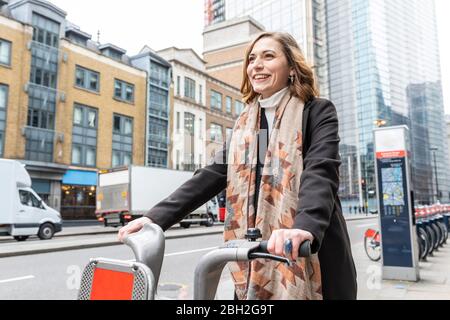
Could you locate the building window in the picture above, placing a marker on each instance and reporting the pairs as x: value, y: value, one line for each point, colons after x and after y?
x: 200, y: 128
x: 216, y: 132
x: 84, y: 136
x: 238, y: 107
x: 5, y: 52
x: 178, y: 85
x: 157, y: 158
x: 158, y: 102
x: 123, y: 91
x: 87, y: 79
x: 178, y: 121
x: 228, y: 104
x: 189, y: 123
x: 229, y: 132
x: 216, y: 100
x: 200, y: 94
x: 159, y: 75
x: 3, y: 105
x: 189, y: 88
x: 45, y: 31
x: 122, y: 144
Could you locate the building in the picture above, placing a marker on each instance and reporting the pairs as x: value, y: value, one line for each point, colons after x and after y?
x: 203, y: 110
x: 376, y: 72
x: 303, y: 19
x: 224, y: 46
x: 69, y: 106
x: 158, y: 112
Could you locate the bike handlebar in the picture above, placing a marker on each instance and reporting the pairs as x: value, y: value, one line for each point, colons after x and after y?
x: 303, y: 251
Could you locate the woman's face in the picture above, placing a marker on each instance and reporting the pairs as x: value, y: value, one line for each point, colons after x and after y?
x: 268, y: 68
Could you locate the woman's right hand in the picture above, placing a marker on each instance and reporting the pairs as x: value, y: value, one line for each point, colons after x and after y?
x: 132, y: 227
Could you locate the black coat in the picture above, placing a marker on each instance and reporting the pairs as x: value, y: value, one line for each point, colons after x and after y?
x: 319, y: 210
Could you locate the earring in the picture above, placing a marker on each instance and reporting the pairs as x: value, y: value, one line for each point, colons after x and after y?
x: 291, y: 78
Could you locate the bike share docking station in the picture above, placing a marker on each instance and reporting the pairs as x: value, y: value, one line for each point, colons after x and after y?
x: 399, y: 251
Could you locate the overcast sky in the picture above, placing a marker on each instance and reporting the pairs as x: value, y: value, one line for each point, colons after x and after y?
x: 131, y: 24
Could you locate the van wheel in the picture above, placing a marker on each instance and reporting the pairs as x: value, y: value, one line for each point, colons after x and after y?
x: 46, y: 231
x: 21, y: 238
x: 185, y: 225
x: 210, y: 221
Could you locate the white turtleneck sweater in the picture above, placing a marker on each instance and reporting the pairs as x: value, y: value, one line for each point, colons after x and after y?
x: 270, y: 105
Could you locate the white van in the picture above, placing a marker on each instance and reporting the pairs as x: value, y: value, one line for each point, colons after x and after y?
x: 22, y: 212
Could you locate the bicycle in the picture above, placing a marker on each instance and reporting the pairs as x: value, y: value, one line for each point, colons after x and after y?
x: 372, y: 244
x: 109, y: 279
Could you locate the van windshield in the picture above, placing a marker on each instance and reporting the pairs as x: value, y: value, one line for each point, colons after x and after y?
x: 28, y: 199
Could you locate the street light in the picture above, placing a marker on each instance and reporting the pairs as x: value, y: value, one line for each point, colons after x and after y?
x: 434, y: 149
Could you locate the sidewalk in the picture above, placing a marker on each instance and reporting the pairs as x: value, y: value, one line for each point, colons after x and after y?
x: 434, y: 281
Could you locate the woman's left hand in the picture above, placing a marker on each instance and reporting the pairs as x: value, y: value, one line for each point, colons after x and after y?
x: 278, y: 238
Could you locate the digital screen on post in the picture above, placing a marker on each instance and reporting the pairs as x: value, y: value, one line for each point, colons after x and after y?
x: 395, y: 226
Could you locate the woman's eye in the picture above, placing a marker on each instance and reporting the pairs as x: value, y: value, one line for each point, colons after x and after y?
x: 269, y: 56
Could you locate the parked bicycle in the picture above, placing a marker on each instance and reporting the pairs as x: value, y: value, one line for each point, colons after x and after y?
x: 432, y: 225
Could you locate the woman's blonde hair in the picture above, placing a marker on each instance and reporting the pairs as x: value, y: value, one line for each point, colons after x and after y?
x: 304, y: 84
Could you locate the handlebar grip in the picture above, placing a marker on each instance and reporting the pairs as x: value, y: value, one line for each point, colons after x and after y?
x: 303, y: 251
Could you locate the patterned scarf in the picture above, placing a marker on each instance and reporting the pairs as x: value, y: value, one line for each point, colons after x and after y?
x: 277, y: 203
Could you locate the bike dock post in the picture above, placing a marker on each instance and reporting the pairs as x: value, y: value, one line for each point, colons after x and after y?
x: 400, y: 259
x: 109, y: 279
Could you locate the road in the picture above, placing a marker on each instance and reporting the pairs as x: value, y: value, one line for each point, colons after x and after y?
x: 56, y: 275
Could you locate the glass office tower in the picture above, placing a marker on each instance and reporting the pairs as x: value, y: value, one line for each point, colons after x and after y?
x: 384, y: 67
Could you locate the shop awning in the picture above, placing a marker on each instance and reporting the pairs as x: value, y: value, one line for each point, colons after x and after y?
x: 80, y: 178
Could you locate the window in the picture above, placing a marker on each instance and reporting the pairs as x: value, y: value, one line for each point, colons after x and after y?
x: 5, y: 52
x: 46, y: 31
x: 78, y: 116
x: 178, y: 85
x: 3, y: 96
x: 28, y: 199
x: 200, y: 128
x: 122, y: 142
x: 189, y: 120
x: 238, y: 107
x: 3, y: 105
x: 123, y: 125
x: 84, y: 136
x: 76, y: 154
x: 123, y: 91
x: 216, y: 132
x: 189, y: 88
x: 229, y: 132
x: 87, y: 79
x: 200, y: 94
x: 216, y: 100
x: 178, y: 121
x: 228, y: 104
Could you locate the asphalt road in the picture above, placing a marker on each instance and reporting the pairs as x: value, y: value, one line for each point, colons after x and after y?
x: 56, y: 275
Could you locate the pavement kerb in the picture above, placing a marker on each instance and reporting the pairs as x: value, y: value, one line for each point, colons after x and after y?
x: 178, y: 235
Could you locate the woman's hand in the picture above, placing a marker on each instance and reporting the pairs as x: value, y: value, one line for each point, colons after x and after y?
x: 132, y: 227
x: 278, y: 238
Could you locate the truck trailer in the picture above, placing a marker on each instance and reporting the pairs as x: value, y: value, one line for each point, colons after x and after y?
x: 127, y: 193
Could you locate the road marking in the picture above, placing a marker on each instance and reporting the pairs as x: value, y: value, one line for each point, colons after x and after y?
x: 188, y: 252
x: 366, y: 225
x: 16, y: 279
x: 183, y: 252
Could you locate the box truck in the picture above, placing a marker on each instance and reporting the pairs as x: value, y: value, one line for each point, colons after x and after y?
x: 127, y: 193
x: 22, y: 212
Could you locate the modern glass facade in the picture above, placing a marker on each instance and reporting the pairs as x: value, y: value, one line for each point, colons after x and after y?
x: 303, y: 19
x: 42, y: 89
x: 158, y: 110
x: 383, y: 63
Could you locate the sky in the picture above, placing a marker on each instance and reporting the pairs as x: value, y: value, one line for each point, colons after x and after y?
x: 165, y: 23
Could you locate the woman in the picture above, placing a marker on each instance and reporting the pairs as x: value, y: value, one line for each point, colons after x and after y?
x: 281, y: 177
